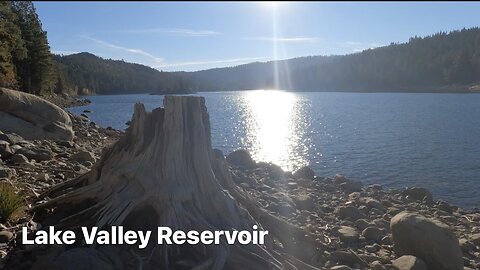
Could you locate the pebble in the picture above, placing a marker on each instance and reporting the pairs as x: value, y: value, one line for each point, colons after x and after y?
x: 5, y: 236
x: 373, y: 233
x: 348, y: 234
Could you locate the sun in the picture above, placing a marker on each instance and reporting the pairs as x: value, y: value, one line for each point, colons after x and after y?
x: 271, y: 4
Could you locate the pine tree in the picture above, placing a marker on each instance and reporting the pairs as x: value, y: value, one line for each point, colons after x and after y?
x: 36, y: 72
x: 12, y: 46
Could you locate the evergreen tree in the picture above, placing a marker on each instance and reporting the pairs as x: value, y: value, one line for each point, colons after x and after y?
x: 12, y: 46
x: 36, y: 72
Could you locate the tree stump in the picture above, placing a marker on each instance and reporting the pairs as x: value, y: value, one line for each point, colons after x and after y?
x: 163, y: 172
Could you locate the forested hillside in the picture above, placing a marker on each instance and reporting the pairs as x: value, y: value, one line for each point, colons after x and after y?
x: 86, y: 73
x: 441, y: 62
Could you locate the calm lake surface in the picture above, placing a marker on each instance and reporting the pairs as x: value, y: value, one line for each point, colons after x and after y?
x: 397, y: 140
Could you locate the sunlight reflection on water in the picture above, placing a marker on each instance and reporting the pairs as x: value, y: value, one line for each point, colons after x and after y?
x: 274, y: 127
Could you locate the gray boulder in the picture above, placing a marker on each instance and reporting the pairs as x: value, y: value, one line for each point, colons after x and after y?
x: 33, y: 117
x: 241, y: 158
x: 409, y: 263
x: 428, y: 239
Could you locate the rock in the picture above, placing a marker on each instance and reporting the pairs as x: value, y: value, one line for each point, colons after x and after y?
x: 338, y: 179
x: 303, y: 201
x: 15, y: 147
x: 33, y: 117
x: 373, y: 233
x: 42, y: 177
x: 84, y: 115
x: 375, y: 187
x: 349, y: 212
x: 241, y: 158
x: 304, y: 173
x: 362, y: 224
x: 475, y: 239
x: 83, y: 156
x: 7, y: 172
x: 341, y: 267
x: 466, y: 245
x: 88, y: 164
x: 354, y: 196
x: 428, y: 239
x: 381, y: 223
x: 376, y: 265
x: 373, y: 204
x: 348, y: 234
x: 38, y: 154
x: 19, y: 159
x: 409, y: 263
x: 387, y: 240
x: 12, y: 138
x: 5, y: 236
x: 419, y: 194
x: 87, y: 111
x: 444, y: 206
x: 80, y: 169
x: 351, y: 186
x: 5, y: 150
x: 66, y: 144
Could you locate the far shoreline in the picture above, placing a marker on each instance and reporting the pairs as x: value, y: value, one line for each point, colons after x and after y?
x: 198, y: 92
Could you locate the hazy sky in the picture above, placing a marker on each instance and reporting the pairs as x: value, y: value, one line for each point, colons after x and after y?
x: 194, y: 36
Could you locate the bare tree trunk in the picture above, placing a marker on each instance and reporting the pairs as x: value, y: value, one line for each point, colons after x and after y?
x: 163, y: 172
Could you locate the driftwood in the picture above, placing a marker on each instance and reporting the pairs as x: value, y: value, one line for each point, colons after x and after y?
x: 163, y: 172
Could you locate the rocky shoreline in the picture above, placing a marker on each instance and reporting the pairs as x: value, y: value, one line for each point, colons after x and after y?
x: 363, y: 227
x: 67, y: 101
x: 366, y: 227
x: 32, y: 166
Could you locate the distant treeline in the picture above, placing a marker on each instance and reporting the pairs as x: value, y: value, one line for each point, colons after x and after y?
x: 441, y: 62
x: 445, y: 62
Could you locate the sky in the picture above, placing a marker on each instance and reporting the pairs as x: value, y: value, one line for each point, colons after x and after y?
x: 189, y: 36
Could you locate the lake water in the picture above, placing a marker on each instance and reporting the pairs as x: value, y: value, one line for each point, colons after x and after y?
x: 397, y: 140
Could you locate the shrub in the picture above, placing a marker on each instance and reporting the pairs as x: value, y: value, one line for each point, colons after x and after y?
x: 9, y: 201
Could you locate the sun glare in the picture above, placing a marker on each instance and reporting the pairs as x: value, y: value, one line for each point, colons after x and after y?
x: 271, y: 4
x: 273, y: 127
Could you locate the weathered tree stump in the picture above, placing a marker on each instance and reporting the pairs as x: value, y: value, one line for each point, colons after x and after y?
x: 163, y: 172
